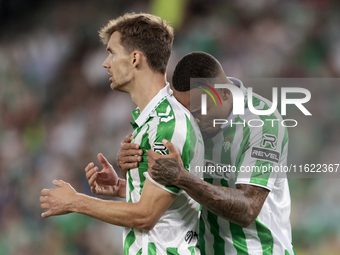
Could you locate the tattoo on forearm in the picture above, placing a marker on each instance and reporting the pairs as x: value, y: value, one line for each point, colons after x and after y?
x: 240, y: 206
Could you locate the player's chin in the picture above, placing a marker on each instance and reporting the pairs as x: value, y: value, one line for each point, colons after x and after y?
x: 113, y: 86
x: 209, y: 132
x: 118, y: 87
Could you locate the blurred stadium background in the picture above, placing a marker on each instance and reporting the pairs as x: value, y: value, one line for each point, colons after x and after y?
x: 57, y: 110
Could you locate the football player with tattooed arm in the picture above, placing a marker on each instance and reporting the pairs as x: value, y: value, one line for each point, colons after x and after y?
x: 243, y: 212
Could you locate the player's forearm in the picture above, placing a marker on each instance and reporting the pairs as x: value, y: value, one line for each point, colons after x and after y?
x: 114, y: 212
x: 228, y: 203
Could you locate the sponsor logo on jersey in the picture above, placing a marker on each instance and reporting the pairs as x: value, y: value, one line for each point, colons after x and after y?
x: 269, y: 139
x: 160, y: 148
x: 265, y: 154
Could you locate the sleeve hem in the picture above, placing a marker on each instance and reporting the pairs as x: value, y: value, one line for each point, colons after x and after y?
x: 254, y: 184
x: 146, y: 174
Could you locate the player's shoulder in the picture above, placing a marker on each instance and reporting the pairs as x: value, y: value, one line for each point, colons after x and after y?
x: 171, y: 109
x: 169, y: 117
x: 261, y: 104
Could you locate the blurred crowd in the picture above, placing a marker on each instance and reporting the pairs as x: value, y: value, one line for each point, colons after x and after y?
x: 57, y: 110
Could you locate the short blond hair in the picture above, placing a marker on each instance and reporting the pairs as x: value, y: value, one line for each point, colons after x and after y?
x: 144, y: 32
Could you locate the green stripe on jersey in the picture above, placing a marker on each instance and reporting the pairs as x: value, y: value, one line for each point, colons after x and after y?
x: 209, y: 145
x: 192, y: 250
x: 171, y: 251
x: 243, y: 147
x: 228, y: 138
x: 266, y: 238
x: 129, y: 240
x: 201, y: 236
x: 131, y: 187
x: 285, y: 139
x: 189, y: 148
x: 145, y: 144
x: 215, y: 230
x: 239, y: 239
x: 152, y: 249
x: 259, y: 177
x: 174, y: 251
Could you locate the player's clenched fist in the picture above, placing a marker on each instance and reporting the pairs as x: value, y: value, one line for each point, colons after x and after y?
x: 106, y: 182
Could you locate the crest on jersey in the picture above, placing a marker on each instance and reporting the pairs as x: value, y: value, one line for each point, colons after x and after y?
x: 227, y: 144
x: 160, y: 148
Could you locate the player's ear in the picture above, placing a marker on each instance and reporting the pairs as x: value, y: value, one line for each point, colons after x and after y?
x: 225, y: 94
x: 136, y: 58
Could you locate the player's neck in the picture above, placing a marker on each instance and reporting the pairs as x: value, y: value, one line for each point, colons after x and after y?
x: 146, y: 87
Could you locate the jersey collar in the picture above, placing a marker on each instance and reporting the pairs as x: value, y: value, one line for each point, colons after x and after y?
x: 141, y: 117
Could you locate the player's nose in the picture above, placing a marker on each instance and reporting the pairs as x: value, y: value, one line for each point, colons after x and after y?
x: 106, y: 63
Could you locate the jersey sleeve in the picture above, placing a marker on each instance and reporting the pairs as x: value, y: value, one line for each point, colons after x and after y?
x: 261, y: 159
x: 165, y: 130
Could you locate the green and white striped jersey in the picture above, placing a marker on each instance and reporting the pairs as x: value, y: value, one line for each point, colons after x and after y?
x: 176, y: 232
x: 242, y: 146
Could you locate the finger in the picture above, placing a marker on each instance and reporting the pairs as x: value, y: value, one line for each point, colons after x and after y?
x: 58, y: 183
x: 128, y: 138
x: 43, y: 199
x: 45, y: 192
x: 151, y: 161
x: 131, y: 146
x: 103, y: 160
x: 93, y: 179
x: 169, y: 146
x: 127, y: 166
x: 130, y: 159
x: 130, y: 152
x: 152, y: 154
x: 45, y: 206
x: 91, y: 172
x: 46, y: 214
x: 89, y: 166
x: 94, y: 190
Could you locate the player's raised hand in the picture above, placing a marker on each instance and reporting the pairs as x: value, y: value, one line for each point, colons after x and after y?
x: 106, y: 182
x: 165, y: 169
x: 128, y: 155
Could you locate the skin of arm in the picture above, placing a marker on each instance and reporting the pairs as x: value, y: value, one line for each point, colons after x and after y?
x: 141, y: 215
x: 240, y: 206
